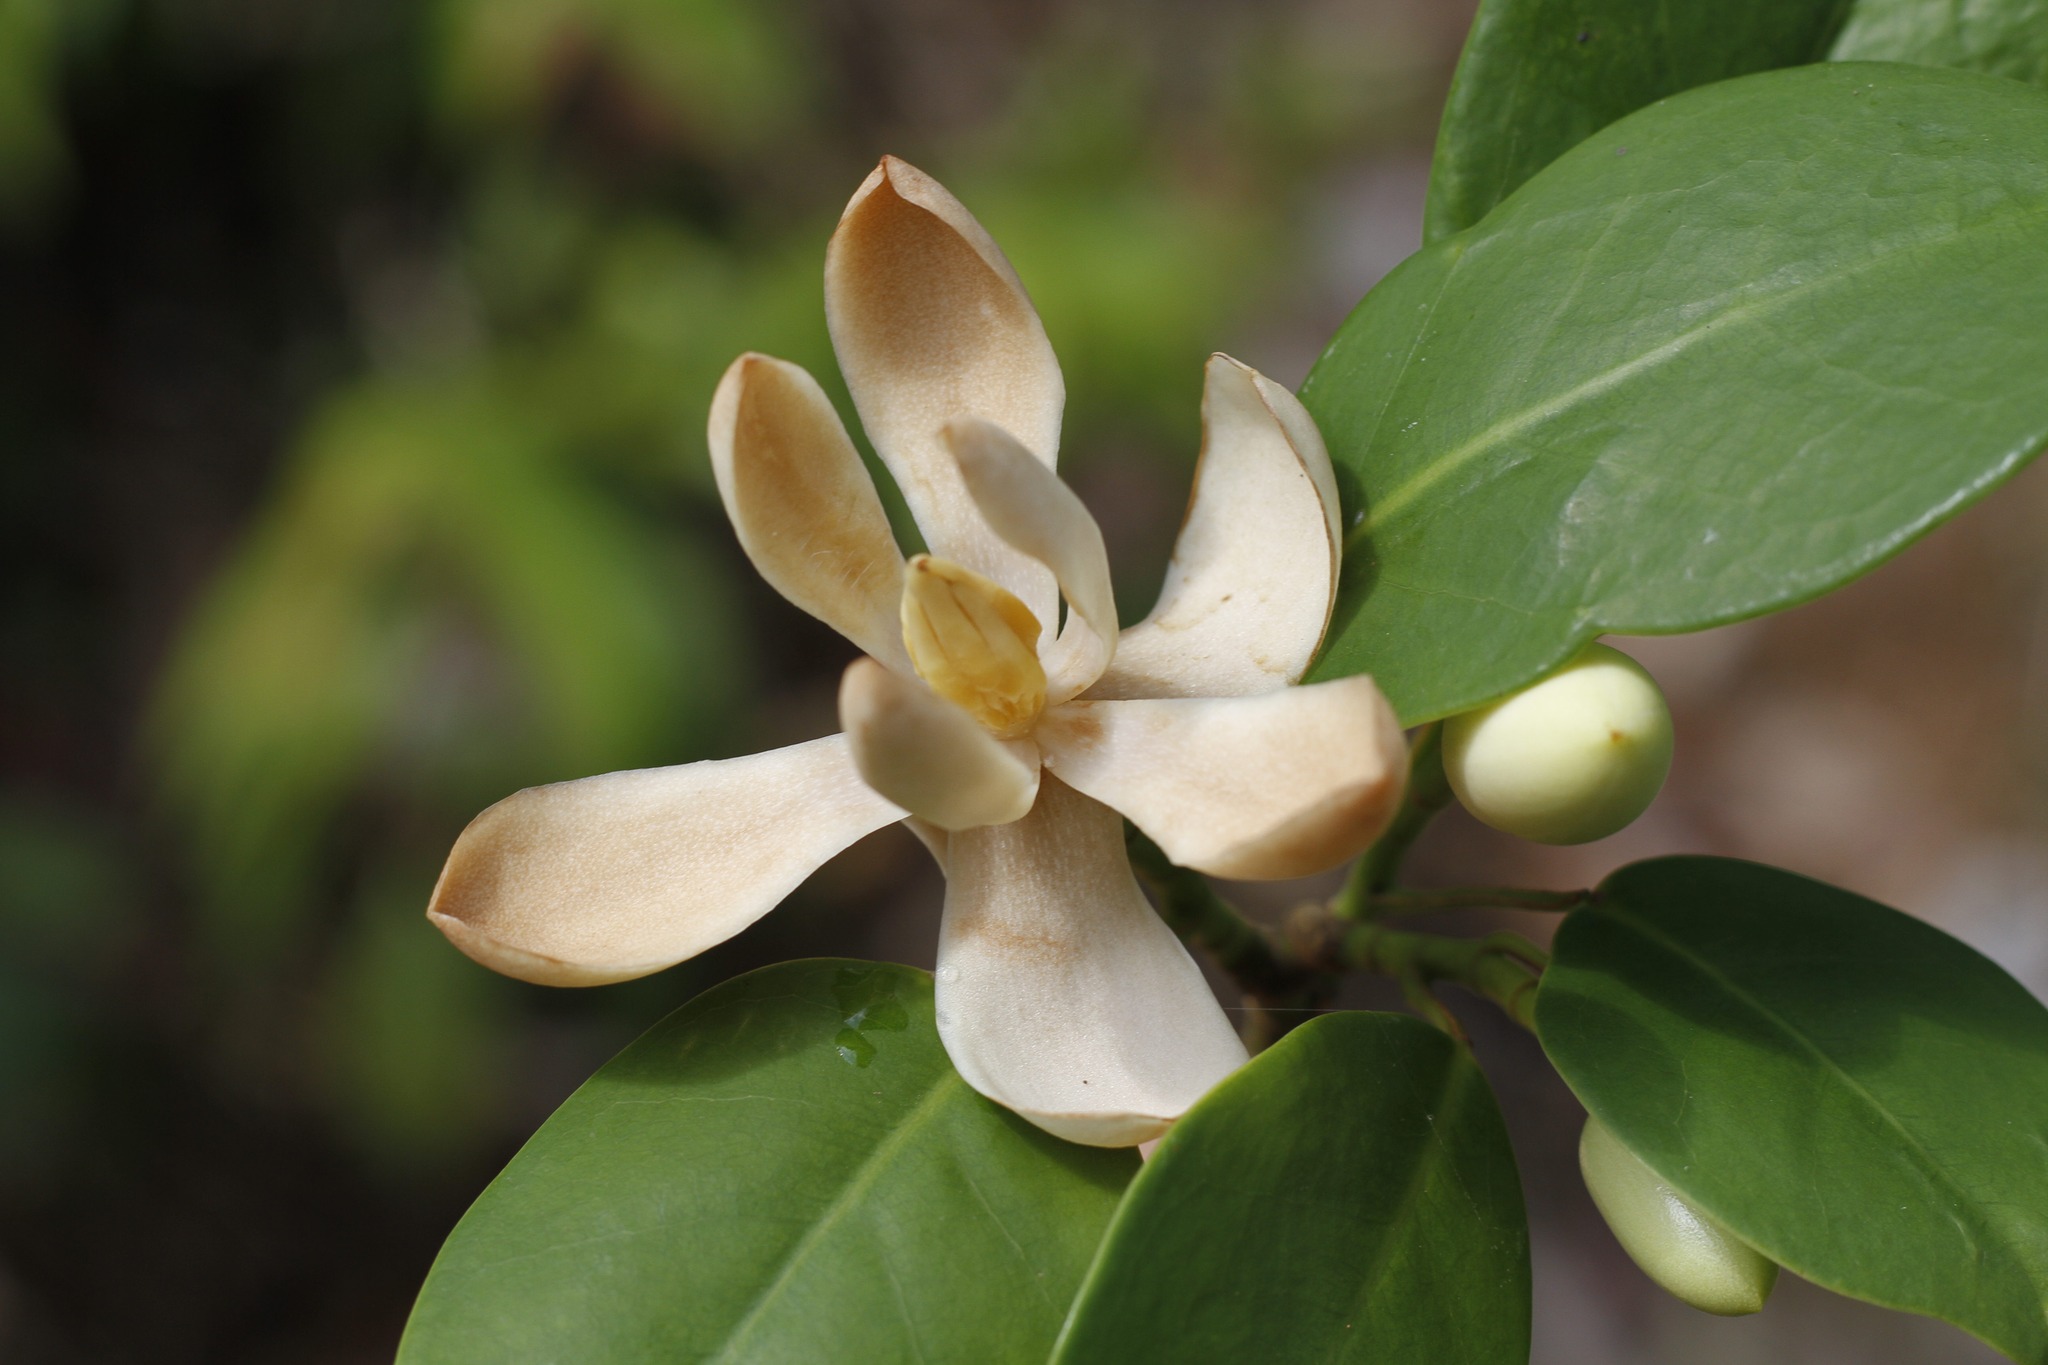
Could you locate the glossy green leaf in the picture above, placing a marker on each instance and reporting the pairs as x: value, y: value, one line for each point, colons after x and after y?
x: 2003, y: 37
x: 1347, y: 1196
x: 785, y: 1169
x: 1856, y: 1094
x: 1537, y: 77
x: 1718, y: 359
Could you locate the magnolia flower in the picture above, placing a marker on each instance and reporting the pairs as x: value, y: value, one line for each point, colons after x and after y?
x: 1010, y: 747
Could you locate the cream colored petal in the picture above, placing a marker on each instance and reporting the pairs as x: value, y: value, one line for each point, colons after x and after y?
x: 1060, y: 992
x: 802, y: 503
x: 1258, y: 788
x: 1254, y: 574
x: 613, y: 877
x: 929, y: 756
x: 1026, y: 504
x: 934, y: 839
x: 931, y: 323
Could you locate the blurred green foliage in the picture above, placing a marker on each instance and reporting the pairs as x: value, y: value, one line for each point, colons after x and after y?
x: 488, y: 552
x: 495, y: 558
x: 67, y: 913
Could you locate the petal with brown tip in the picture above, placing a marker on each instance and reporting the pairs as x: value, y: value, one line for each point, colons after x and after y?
x: 1254, y: 573
x: 931, y: 323
x: 929, y: 756
x: 804, y: 508
x: 1060, y: 993
x: 1259, y: 788
x: 613, y: 877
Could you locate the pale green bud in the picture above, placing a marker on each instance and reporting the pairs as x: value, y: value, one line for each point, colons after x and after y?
x: 1678, y: 1246
x: 1572, y: 758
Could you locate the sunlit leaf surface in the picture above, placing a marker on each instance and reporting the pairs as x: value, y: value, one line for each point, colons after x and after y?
x: 1538, y: 76
x: 1718, y: 359
x: 785, y: 1169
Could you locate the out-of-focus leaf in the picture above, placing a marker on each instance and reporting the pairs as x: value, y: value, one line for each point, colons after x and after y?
x: 1110, y: 267
x: 37, y: 38
x: 1854, y: 1093
x: 787, y: 1168
x: 1721, y: 357
x: 32, y: 153
x: 710, y: 76
x: 66, y: 914
x: 628, y: 380
x: 414, y: 1038
x: 67, y: 895
x: 422, y: 534
x: 1348, y: 1195
x: 2003, y: 37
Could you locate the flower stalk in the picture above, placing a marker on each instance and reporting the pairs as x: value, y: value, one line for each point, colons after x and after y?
x: 1286, y: 978
x: 1281, y: 988
x: 1429, y: 791
x: 1502, y: 967
x: 1411, y: 901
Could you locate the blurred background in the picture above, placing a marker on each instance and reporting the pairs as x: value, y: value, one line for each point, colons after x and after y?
x: 354, y: 361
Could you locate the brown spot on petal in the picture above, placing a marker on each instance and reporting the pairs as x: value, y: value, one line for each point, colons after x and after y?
x: 1076, y: 724
x: 994, y: 936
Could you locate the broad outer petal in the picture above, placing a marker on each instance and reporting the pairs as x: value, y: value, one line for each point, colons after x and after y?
x: 1257, y: 788
x: 931, y: 323
x: 1060, y: 992
x: 1026, y: 504
x: 613, y: 877
x: 929, y: 756
x: 804, y: 508
x: 1254, y: 573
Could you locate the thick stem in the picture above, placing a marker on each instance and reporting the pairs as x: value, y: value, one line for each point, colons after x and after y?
x: 1287, y: 978
x: 1191, y: 906
x: 1280, y: 990
x: 1504, y: 968
x: 1410, y: 901
x: 1429, y: 791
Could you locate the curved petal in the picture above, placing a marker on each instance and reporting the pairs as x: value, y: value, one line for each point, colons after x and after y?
x: 1258, y: 788
x: 1026, y: 504
x: 1060, y: 993
x: 930, y: 323
x: 934, y: 839
x: 613, y: 877
x: 1254, y: 574
x: 806, y: 512
x: 929, y: 756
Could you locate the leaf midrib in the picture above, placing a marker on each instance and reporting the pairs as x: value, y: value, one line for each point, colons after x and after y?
x: 1989, y: 1233
x: 1384, y: 509
x: 1451, y: 1082
x: 856, y: 1186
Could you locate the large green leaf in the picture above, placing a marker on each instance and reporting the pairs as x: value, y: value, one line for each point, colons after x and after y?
x: 1539, y: 76
x: 1347, y: 1196
x: 2004, y: 37
x: 1718, y: 359
x: 785, y: 1169
x: 1855, y: 1093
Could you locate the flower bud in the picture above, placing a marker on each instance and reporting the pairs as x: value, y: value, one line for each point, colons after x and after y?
x: 1572, y: 758
x: 1683, y: 1250
x: 974, y: 643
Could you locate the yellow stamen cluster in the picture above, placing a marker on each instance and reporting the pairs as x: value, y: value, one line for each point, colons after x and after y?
x: 974, y: 643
